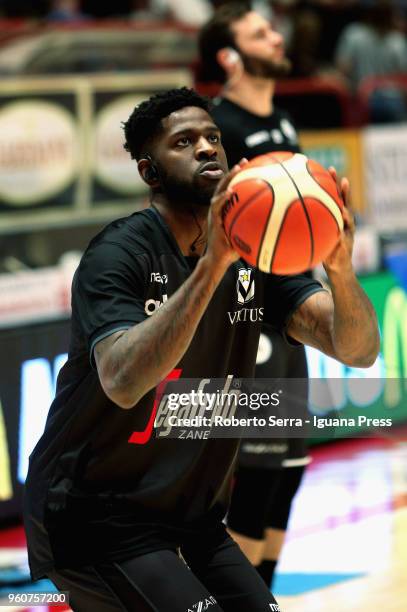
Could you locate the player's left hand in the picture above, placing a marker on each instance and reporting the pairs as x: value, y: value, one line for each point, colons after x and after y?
x: 340, y: 260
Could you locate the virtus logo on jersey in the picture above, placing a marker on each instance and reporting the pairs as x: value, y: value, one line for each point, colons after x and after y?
x: 245, y: 293
x: 245, y: 286
x: 250, y: 315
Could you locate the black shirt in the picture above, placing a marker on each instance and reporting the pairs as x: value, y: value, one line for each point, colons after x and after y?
x: 92, y: 495
x: 247, y: 135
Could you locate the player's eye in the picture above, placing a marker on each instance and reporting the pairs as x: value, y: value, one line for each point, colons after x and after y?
x: 260, y: 34
x: 214, y: 138
x: 183, y: 142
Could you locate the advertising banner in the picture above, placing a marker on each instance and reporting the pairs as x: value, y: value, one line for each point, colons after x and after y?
x: 114, y: 170
x: 30, y: 358
x: 341, y: 149
x: 33, y: 295
x: 62, y: 161
x: 385, y: 176
x: 39, y: 151
x: 385, y: 395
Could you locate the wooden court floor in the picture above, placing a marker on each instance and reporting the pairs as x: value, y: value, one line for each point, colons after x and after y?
x: 384, y: 589
x: 363, y: 488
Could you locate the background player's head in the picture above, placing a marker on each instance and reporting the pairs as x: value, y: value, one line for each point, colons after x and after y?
x: 238, y: 40
x: 173, y: 138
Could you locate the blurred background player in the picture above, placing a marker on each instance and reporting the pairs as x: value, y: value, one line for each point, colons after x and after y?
x: 240, y: 49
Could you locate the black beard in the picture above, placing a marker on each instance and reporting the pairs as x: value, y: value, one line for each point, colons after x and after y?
x: 266, y: 69
x: 180, y: 192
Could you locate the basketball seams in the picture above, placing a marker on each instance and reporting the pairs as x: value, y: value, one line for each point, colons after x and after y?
x: 274, y: 156
x: 259, y: 250
x: 327, y: 210
x: 279, y: 234
x: 276, y: 219
x: 301, y: 199
x: 315, y: 174
x: 248, y: 203
x: 272, y: 229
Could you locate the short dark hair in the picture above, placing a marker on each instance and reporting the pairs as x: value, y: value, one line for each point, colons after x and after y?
x: 217, y: 34
x: 145, y: 120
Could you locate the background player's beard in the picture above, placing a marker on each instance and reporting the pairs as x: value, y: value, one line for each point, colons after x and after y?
x: 182, y: 192
x: 268, y: 69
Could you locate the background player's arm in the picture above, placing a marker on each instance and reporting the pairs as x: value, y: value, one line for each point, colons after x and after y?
x: 133, y: 361
x: 342, y: 324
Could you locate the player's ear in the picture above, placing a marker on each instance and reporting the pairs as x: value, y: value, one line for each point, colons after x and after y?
x: 148, y: 172
x: 228, y: 58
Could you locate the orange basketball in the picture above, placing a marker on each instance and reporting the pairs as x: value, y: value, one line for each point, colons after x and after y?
x: 284, y: 215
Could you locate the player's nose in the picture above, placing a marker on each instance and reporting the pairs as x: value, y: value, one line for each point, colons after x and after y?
x: 205, y: 149
x: 276, y: 38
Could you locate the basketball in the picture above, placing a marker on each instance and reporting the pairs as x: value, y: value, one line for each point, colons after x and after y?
x: 284, y: 215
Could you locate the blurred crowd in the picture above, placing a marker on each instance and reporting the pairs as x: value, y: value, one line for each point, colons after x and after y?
x: 354, y: 38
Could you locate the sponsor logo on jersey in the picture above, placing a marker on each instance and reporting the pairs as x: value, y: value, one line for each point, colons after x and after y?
x: 152, y: 305
x: 156, y: 277
x: 204, y: 604
x: 245, y: 286
x: 286, y: 132
x: 202, y: 407
x: 256, y: 139
x: 142, y: 437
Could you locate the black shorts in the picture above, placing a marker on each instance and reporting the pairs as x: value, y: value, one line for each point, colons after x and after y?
x: 213, y: 576
x: 262, y: 499
x: 285, y: 362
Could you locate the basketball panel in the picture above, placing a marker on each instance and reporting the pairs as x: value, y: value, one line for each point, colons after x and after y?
x: 247, y: 229
x: 293, y: 249
x: 324, y: 228
x: 324, y: 180
x: 269, y: 159
x: 244, y: 192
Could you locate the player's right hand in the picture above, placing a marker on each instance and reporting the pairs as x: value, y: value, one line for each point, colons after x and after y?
x: 340, y: 259
x: 219, y: 246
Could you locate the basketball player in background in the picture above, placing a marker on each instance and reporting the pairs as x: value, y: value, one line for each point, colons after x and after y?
x: 108, y: 504
x: 240, y: 49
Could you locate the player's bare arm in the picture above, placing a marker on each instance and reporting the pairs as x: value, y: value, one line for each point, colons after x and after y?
x: 132, y: 362
x: 342, y: 324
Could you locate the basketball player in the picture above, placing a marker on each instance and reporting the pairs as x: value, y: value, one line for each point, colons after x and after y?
x: 108, y: 505
x: 240, y: 50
